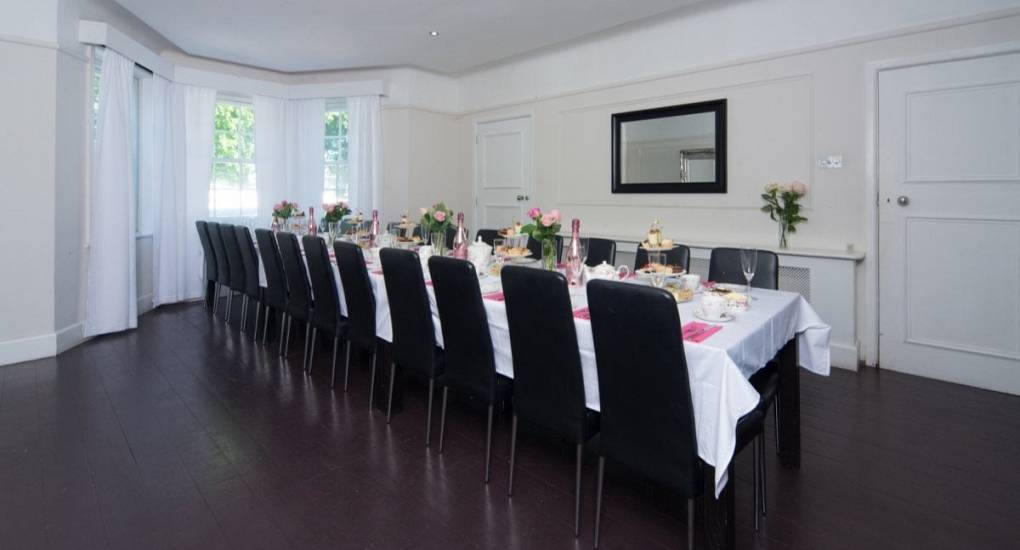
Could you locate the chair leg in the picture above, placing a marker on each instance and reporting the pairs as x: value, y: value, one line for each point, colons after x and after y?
x: 371, y: 380
x: 230, y: 304
x: 598, y: 498
x: 244, y: 312
x: 428, y: 414
x: 347, y: 364
x: 690, y: 524
x: 286, y: 344
x: 389, y: 398
x: 310, y: 357
x: 215, y: 298
x: 757, y: 464
x: 775, y: 413
x: 577, y: 491
x: 283, y: 330
x: 332, y: 377
x: 488, y: 443
x: 513, y: 455
x: 304, y: 356
x: 442, y: 421
x: 255, y: 328
x: 761, y: 469
x: 265, y: 325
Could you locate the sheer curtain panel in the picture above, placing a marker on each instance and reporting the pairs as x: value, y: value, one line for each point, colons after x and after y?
x: 364, y: 155
x: 270, y: 154
x: 306, y: 127
x: 111, y: 301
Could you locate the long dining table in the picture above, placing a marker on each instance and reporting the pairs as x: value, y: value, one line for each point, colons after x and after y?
x: 778, y: 325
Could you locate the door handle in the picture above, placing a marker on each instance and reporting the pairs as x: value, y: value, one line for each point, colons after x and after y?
x: 521, y: 198
x: 902, y: 200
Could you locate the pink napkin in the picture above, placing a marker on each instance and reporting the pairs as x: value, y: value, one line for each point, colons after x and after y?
x: 582, y: 313
x: 698, y: 332
x: 428, y: 283
x: 495, y: 296
x: 377, y: 272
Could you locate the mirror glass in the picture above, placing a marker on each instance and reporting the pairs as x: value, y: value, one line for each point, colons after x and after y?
x: 677, y: 149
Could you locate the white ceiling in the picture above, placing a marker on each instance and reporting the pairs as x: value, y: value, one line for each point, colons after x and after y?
x: 314, y: 35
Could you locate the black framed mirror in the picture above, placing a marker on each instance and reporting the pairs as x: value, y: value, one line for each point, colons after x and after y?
x: 676, y: 149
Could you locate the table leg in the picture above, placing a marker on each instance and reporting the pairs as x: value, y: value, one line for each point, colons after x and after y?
x: 789, y: 406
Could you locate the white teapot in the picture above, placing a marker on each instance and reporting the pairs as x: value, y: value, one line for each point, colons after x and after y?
x: 478, y: 254
x: 606, y: 271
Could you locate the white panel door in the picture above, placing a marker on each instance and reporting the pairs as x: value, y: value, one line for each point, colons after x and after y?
x: 503, y: 172
x: 949, y: 215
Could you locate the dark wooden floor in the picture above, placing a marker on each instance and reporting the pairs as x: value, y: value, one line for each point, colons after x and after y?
x: 181, y: 435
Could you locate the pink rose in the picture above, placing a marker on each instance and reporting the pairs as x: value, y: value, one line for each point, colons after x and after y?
x: 799, y: 188
x: 440, y: 216
x: 555, y: 214
x: 534, y: 213
x: 548, y: 220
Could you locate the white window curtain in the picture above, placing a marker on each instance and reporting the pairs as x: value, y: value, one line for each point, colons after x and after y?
x: 271, y: 154
x: 306, y: 130
x: 364, y: 153
x: 182, y: 160
x: 111, y: 299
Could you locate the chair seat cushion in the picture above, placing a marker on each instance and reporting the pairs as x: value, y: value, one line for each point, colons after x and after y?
x: 766, y: 383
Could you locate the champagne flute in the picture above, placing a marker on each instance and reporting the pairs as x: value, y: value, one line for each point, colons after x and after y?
x: 748, y: 264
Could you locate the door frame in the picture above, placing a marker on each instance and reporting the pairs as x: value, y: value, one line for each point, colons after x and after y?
x: 870, y: 334
x: 528, y: 114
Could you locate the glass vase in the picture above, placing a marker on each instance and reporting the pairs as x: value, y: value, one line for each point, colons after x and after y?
x: 439, y: 243
x: 783, y: 230
x: 549, y: 254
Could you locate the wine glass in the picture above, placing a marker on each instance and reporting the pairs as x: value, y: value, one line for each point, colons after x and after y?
x: 748, y: 263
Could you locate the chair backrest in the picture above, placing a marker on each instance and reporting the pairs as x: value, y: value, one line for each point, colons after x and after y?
x: 233, y: 250
x: 466, y: 340
x: 358, y: 294
x: 601, y: 250
x: 724, y: 267
x: 548, y: 384
x: 299, y: 295
x: 644, y: 388
x: 251, y: 262
x: 535, y: 246
x: 681, y: 256
x: 487, y: 235
x: 414, y: 337
x: 276, y: 281
x: 220, y: 251
x: 207, y: 250
x: 326, y: 313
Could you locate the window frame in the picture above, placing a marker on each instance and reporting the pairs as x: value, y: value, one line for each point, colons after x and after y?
x: 245, y: 167
x: 340, y: 166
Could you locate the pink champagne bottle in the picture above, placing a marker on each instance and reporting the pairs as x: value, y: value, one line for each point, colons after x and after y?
x: 313, y: 226
x: 573, y: 258
x: 460, y: 240
x: 373, y: 229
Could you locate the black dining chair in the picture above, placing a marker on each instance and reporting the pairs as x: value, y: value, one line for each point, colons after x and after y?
x: 252, y: 290
x: 299, y: 294
x: 535, y: 247
x: 222, y: 263
x: 414, y: 337
x: 274, y: 296
x: 681, y: 256
x: 601, y: 250
x: 211, y: 286
x: 548, y: 383
x: 470, y: 367
x: 488, y: 236
x: 724, y: 267
x: 326, y: 313
x: 237, y: 272
x: 360, y: 300
x: 645, y: 393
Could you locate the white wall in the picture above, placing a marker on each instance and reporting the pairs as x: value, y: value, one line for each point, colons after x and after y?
x: 784, y: 113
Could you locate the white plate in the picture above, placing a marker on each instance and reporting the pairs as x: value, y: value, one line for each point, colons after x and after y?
x: 726, y: 318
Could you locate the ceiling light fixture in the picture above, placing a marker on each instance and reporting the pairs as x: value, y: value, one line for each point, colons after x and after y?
x: 434, y: 34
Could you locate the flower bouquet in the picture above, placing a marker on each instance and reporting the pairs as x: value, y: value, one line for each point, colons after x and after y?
x: 283, y: 211
x: 544, y: 228
x: 334, y: 213
x: 435, y: 222
x: 781, y: 204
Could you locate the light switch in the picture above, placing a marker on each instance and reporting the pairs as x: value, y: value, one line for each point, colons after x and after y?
x: 831, y: 161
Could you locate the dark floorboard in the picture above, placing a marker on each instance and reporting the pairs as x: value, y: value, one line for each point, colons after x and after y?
x: 183, y: 435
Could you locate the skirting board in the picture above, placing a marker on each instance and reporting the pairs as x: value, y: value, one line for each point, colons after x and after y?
x: 38, y: 347
x: 843, y: 356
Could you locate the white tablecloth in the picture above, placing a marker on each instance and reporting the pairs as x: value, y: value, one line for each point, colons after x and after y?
x: 719, y: 367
